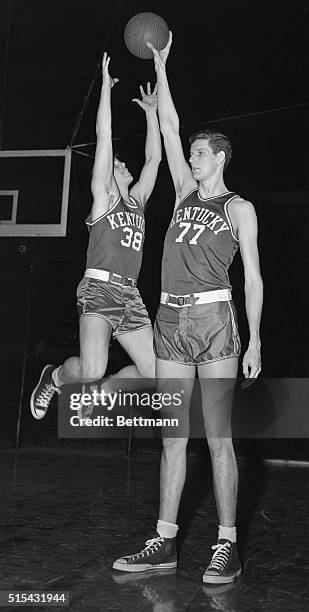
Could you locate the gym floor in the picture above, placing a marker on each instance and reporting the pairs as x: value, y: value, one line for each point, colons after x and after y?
x: 68, y: 512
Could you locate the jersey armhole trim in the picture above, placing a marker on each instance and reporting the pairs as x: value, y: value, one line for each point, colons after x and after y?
x: 184, y: 199
x: 91, y: 223
x: 228, y: 217
x: 136, y: 203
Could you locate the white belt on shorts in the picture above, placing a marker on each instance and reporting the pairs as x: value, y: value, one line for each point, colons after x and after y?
x: 110, y: 277
x: 193, y: 299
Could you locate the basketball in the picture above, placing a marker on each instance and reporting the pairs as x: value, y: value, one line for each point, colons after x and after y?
x: 142, y: 28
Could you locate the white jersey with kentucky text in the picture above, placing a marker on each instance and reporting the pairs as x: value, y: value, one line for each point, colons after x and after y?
x: 199, y: 245
x: 116, y: 239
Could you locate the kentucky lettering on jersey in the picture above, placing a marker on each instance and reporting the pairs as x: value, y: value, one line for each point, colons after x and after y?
x: 123, y: 219
x: 116, y: 239
x: 199, y: 245
x: 202, y: 215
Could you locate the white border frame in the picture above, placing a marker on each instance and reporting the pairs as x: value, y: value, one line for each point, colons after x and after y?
x: 36, y: 229
x: 14, y: 193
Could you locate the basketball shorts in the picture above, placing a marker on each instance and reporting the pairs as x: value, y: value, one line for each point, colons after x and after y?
x: 195, y: 335
x: 121, y: 306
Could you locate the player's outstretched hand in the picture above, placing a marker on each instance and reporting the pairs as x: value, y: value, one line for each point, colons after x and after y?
x: 149, y: 101
x: 107, y: 79
x: 160, y: 57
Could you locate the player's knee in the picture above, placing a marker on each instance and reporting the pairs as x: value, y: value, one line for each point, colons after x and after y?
x: 174, y: 446
x: 219, y: 445
x: 92, y: 371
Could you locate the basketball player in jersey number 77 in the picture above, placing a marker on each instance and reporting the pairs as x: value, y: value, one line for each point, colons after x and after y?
x: 107, y: 297
x: 196, y: 327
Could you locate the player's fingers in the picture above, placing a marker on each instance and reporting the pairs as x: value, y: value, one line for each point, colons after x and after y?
x: 245, y: 369
x: 254, y: 369
x: 155, y: 89
x: 137, y: 101
x: 150, y: 46
x: 148, y: 88
x: 142, y: 91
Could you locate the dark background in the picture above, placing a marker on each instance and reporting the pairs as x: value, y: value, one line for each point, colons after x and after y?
x: 239, y: 67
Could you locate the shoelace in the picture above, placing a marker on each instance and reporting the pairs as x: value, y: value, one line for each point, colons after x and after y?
x: 220, y: 557
x: 151, y: 546
x: 46, y: 395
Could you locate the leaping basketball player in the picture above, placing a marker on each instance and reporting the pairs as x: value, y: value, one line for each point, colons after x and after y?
x: 107, y: 297
x: 196, y: 327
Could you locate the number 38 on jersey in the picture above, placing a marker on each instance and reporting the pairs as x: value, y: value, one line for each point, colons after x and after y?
x: 132, y: 239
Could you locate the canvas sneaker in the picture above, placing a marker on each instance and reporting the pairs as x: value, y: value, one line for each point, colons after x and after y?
x: 225, y: 565
x: 43, y: 393
x: 159, y: 553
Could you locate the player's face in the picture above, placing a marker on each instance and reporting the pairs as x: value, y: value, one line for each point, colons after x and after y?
x: 204, y: 162
x: 121, y: 173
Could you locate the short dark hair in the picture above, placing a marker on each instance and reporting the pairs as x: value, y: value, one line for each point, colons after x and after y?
x: 217, y: 142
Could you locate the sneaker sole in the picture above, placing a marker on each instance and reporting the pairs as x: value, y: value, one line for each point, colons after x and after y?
x: 127, y: 567
x: 213, y: 590
x: 32, y: 405
x: 212, y: 579
x: 130, y: 578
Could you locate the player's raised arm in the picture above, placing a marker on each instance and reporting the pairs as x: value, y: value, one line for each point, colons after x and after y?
x: 169, y: 125
x: 153, y: 153
x: 103, y: 186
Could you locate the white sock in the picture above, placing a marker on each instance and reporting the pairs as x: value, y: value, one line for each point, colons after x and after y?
x: 55, y: 377
x: 227, y: 533
x: 167, y: 530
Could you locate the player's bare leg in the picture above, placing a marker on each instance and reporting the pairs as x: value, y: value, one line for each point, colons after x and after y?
x: 217, y: 385
x: 94, y: 337
x: 174, y: 459
x: 217, y: 399
x: 139, y: 346
x: 140, y: 375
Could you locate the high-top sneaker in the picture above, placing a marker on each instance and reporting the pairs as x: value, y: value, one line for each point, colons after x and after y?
x: 224, y: 565
x: 43, y: 393
x: 158, y: 553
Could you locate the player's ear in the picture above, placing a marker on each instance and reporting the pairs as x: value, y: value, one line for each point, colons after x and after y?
x: 220, y: 158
